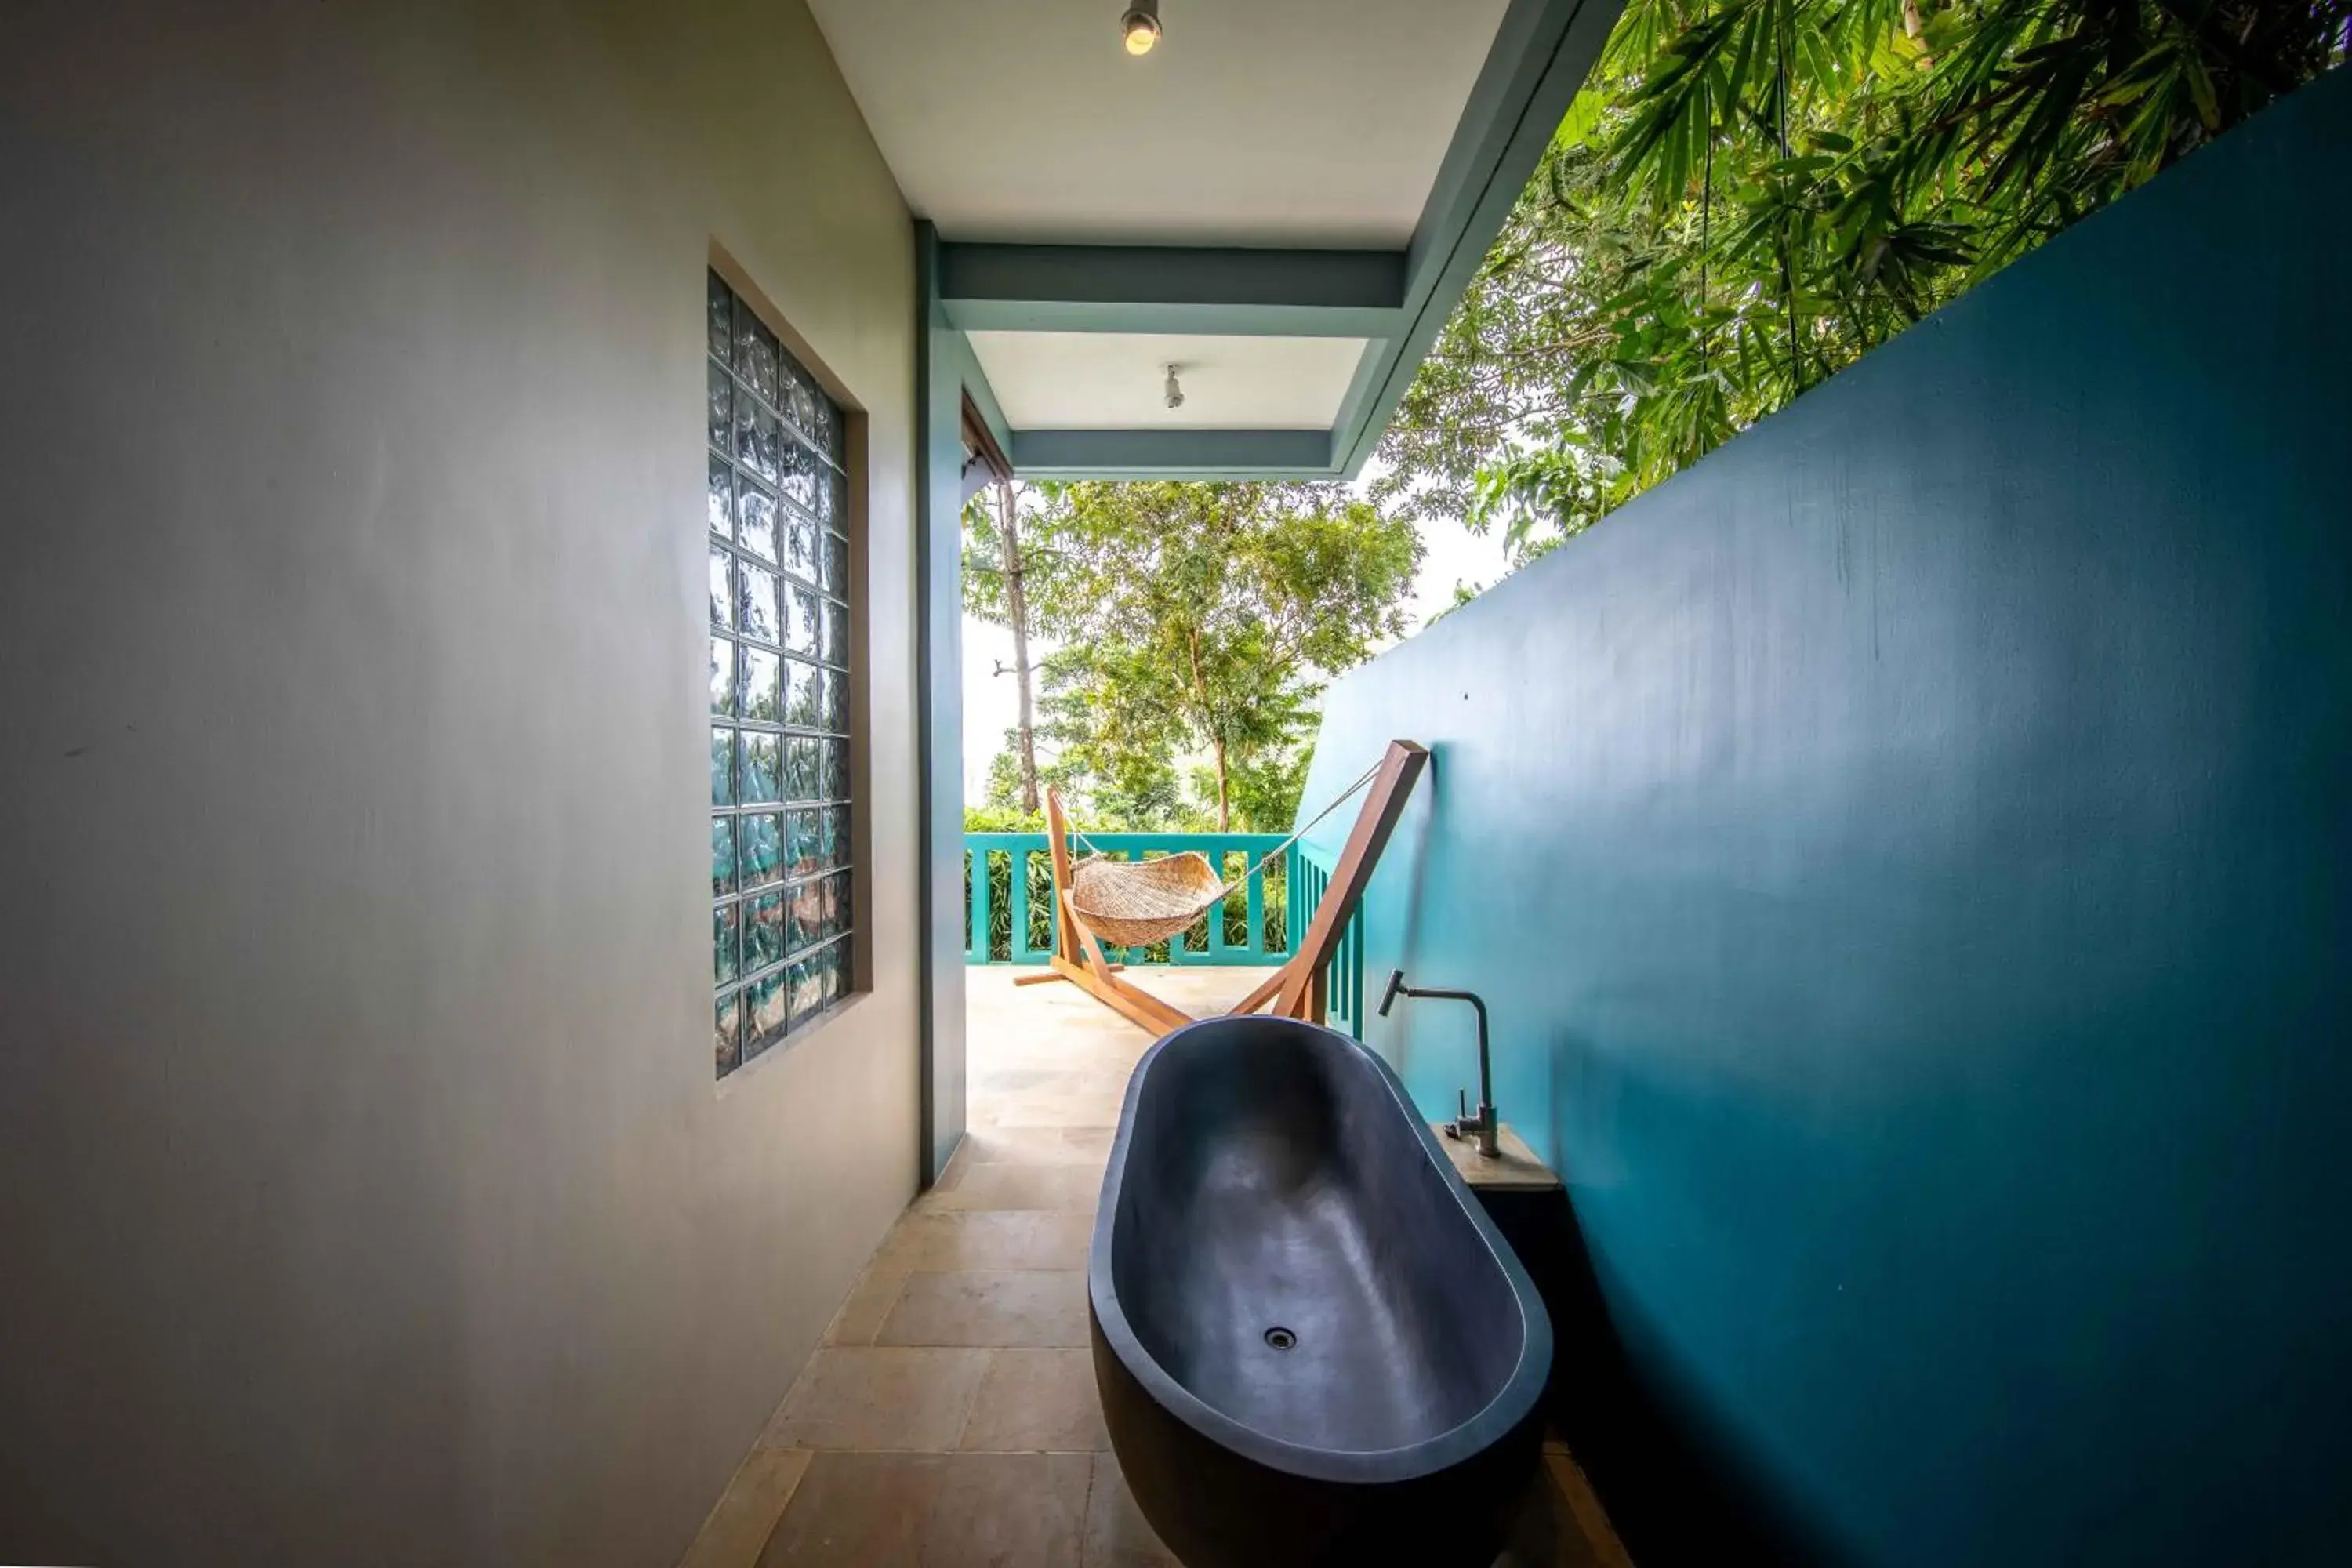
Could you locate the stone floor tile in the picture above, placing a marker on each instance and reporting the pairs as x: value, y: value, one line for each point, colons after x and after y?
x: 1049, y: 1110
x: 739, y: 1526
x: 991, y: 1238
x: 1037, y: 1401
x: 1006, y: 1186
x: 879, y: 1398
x: 1033, y: 1309
x: 858, y: 1511
x: 1562, y: 1525
x: 1116, y: 1533
x: 936, y: 1511
x: 1566, y: 1478
x: 1033, y: 1146
x: 979, y: 1302
x: 1008, y: 1510
x: 870, y: 1299
x: 1019, y: 1079
x: 1089, y: 1145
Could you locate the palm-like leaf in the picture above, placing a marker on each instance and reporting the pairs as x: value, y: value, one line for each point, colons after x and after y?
x: 1751, y: 192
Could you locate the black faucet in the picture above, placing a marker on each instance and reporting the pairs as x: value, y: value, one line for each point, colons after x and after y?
x: 1487, y: 1127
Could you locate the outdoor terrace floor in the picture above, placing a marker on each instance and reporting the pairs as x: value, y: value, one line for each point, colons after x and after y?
x: 950, y: 1417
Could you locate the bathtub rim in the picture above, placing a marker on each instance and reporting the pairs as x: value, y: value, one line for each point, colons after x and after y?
x: 1513, y: 1404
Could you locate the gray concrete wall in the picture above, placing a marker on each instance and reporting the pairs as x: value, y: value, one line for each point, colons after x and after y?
x: 365, y: 1195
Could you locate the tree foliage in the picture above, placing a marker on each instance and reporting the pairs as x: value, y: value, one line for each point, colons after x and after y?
x: 1751, y: 194
x: 1194, y: 622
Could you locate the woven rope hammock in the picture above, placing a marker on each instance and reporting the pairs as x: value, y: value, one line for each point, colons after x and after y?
x: 1134, y: 903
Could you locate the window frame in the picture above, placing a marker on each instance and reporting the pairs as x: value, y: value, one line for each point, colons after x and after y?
x: 797, y: 450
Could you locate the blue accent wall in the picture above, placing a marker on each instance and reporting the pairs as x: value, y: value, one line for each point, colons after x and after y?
x: 1906, y: 855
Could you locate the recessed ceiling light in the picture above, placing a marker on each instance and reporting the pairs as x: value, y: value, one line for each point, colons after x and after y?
x: 1140, y: 27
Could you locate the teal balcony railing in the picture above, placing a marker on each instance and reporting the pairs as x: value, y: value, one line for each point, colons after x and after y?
x: 1008, y: 907
x: 1008, y: 917
x: 1343, y: 977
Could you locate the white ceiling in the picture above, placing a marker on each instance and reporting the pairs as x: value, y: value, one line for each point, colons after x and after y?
x: 1113, y: 380
x: 1307, y: 122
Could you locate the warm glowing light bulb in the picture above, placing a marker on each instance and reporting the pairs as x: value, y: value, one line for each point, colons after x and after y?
x: 1142, y: 33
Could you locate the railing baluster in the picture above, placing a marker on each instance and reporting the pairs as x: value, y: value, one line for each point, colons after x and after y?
x: 1044, y: 852
x: 1017, y: 949
x: 1253, y: 909
x: 1298, y: 901
x: 1216, y: 953
x: 1356, y: 949
x: 979, y: 951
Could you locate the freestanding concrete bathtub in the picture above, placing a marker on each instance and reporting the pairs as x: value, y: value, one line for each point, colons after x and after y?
x: 1311, y: 1344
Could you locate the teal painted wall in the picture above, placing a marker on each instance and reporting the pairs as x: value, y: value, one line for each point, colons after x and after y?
x: 1905, y: 856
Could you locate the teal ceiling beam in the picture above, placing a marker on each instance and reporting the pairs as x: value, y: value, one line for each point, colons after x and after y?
x: 1542, y: 56
x: 1226, y: 290
x: 1373, y: 372
x: 1173, y: 454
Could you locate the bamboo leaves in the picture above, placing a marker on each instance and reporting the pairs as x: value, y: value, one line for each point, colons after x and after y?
x: 1749, y: 194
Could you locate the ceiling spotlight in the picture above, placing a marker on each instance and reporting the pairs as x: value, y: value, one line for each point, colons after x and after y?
x: 1140, y: 27
x: 1175, y: 393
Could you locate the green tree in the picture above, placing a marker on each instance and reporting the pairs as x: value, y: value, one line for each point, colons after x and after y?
x: 1266, y: 790
x: 1002, y: 791
x: 998, y: 565
x: 1204, y: 618
x: 1115, y: 743
x: 1751, y: 194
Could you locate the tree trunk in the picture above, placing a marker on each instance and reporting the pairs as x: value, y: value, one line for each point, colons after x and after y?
x: 1016, y: 604
x: 1209, y: 722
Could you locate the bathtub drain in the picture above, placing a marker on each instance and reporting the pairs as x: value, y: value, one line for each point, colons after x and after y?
x: 1280, y: 1338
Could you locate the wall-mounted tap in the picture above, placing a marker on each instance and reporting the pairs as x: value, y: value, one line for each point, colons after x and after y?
x: 1487, y: 1127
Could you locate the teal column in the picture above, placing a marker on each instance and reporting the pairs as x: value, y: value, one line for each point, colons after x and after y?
x: 938, y: 695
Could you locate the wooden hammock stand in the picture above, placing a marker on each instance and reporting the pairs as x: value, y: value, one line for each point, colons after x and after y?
x: 1297, y: 989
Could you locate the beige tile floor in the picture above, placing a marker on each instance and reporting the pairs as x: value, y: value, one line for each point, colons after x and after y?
x: 950, y: 1416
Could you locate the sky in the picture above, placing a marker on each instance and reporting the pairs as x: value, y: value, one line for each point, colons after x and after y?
x: 991, y: 702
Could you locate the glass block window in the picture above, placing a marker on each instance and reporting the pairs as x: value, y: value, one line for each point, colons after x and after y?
x: 779, y: 878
